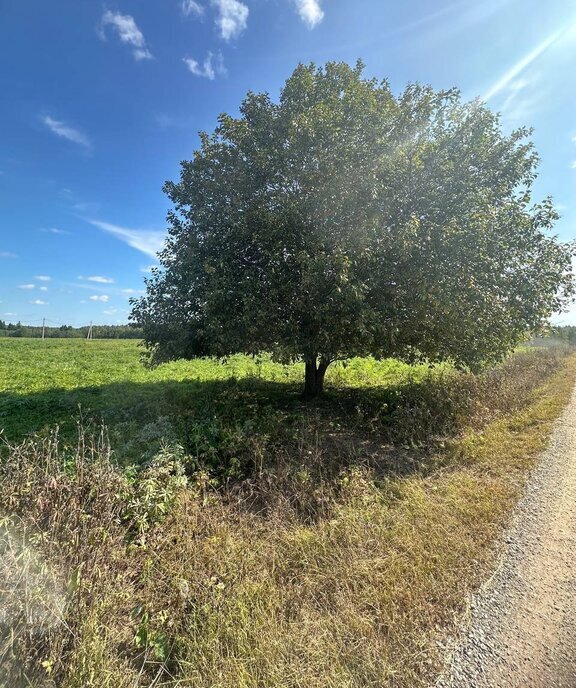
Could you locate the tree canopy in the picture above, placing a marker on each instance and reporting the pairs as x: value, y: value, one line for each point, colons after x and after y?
x: 344, y: 220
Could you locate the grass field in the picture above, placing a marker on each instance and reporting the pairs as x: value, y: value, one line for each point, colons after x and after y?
x: 43, y: 383
x: 270, y: 543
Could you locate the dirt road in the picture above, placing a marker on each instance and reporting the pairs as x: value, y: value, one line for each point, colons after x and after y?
x: 521, y: 631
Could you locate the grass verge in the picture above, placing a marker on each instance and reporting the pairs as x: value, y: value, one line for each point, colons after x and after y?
x: 323, y: 567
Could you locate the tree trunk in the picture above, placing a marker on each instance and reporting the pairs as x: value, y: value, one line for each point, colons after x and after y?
x: 314, y: 377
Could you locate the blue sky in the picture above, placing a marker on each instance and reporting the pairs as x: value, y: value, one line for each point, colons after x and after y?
x: 100, y: 102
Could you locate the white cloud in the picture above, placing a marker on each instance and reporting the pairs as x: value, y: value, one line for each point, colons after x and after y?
x: 54, y: 230
x: 147, y: 269
x: 209, y: 68
x: 147, y: 241
x: 110, y: 311
x: 7, y: 254
x: 9, y: 313
x: 192, y: 7
x: 43, y: 288
x: 574, y: 139
x: 42, y: 278
x: 573, y: 165
x: 26, y: 286
x: 100, y: 297
x: 131, y: 292
x: 128, y: 32
x: 39, y: 302
x: 142, y: 54
x: 66, y: 132
x: 97, y: 278
x: 310, y: 12
x: 232, y: 18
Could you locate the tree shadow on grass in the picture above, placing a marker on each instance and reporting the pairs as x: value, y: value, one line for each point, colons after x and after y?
x: 261, y: 445
x: 232, y: 426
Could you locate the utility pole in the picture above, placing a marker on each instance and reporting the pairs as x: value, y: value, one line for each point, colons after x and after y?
x: 89, y: 335
x: 43, y: 326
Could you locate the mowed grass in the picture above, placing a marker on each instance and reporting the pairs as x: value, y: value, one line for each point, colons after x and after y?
x: 339, y: 555
x: 67, y: 381
x: 35, y: 365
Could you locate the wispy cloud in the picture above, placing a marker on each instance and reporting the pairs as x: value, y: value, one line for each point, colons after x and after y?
x: 7, y: 254
x: 67, y: 132
x: 165, y: 121
x: 573, y: 165
x: 127, y: 31
x: 104, y: 298
x: 436, y: 27
x: 232, y: 18
x: 453, y: 18
x: 310, y: 12
x: 142, y: 54
x: 521, y: 99
x: 97, y: 278
x: 509, y: 77
x: 431, y: 17
x: 147, y: 241
x: 87, y: 287
x: 43, y: 278
x: 212, y: 66
x: 39, y: 302
x: 26, y: 286
x: 131, y: 292
x: 54, y: 230
x: 76, y: 203
x: 43, y: 288
x: 147, y: 269
x: 110, y: 311
x: 192, y: 7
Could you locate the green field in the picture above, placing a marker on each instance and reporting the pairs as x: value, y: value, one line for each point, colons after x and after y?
x: 206, y: 405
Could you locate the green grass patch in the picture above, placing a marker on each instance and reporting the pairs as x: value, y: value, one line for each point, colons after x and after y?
x: 212, y: 408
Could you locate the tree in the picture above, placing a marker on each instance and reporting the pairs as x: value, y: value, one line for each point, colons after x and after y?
x: 344, y: 221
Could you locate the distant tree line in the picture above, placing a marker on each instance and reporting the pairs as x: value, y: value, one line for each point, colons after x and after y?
x: 565, y: 333
x: 69, y: 332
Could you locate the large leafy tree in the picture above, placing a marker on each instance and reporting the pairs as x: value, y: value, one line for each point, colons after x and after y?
x: 344, y: 221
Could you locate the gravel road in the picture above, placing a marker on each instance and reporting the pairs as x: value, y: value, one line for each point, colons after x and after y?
x: 521, y: 630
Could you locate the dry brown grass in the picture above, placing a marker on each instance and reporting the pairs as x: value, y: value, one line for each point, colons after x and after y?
x: 316, y: 572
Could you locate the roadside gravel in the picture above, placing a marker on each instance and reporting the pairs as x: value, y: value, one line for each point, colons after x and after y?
x: 521, y: 630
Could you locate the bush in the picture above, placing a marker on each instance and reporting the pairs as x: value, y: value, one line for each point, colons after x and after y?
x: 441, y: 404
x: 66, y: 572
